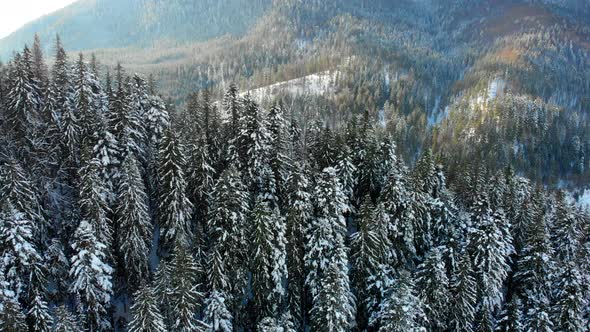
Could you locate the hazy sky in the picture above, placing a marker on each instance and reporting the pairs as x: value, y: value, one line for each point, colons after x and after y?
x: 15, y: 13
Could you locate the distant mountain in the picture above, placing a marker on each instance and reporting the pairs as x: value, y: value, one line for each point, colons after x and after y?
x: 93, y: 24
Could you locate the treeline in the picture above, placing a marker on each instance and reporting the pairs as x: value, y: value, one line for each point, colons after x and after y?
x: 118, y: 212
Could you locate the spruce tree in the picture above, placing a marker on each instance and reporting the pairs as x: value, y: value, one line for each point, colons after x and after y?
x: 433, y: 289
x: 91, y: 277
x: 12, y: 319
x: 333, y: 305
x: 401, y: 310
x: 217, y: 315
x: 65, y: 321
x: 174, y: 209
x: 185, y: 300
x: 463, y: 297
x: 298, y: 217
x: 268, y: 258
x: 39, y: 317
x: 145, y: 312
x: 135, y: 227
x: 368, y: 253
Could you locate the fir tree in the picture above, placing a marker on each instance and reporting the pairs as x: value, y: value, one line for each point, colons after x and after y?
x: 145, y: 313
x: 268, y: 258
x: 39, y: 317
x: 183, y: 294
x: 174, y: 206
x: 298, y: 217
x: 17, y: 251
x: 65, y: 321
x: 463, y: 299
x: 12, y: 319
x: 433, y: 286
x: 227, y: 229
x: 368, y: 253
x: 217, y: 315
x: 91, y: 277
x: 401, y: 310
x: 333, y: 305
x: 135, y: 228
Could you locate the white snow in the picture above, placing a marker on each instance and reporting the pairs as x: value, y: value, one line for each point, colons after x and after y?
x: 584, y: 199
x: 496, y: 88
x: 318, y: 84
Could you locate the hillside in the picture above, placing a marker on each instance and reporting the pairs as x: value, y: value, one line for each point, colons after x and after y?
x: 430, y: 68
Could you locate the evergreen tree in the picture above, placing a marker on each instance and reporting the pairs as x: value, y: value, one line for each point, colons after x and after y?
x: 174, y: 209
x: 58, y: 267
x: 65, y: 321
x: 12, y: 318
x: 135, y: 228
x: 91, y: 277
x: 368, y: 253
x: 17, y: 251
x: 463, y: 298
x: 39, y: 317
x: 145, y: 313
x: 534, y: 275
x: 569, y: 299
x: 184, y: 296
x: 401, y: 310
x: 93, y: 205
x: 217, y: 315
x: 268, y: 258
x: 227, y: 229
x: 298, y: 217
x: 490, y: 245
x: 333, y: 305
x: 279, y: 162
x: 511, y: 318
x: 326, y: 258
x: 433, y: 286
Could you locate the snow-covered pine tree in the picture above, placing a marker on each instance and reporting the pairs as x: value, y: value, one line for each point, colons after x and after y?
x: 326, y: 257
x: 23, y: 101
x: 174, y: 209
x: 93, y: 204
x: 16, y: 187
x: 463, y: 299
x: 298, y: 216
x: 91, y: 277
x: 490, y: 246
x: 145, y: 312
x: 333, y: 306
x: 347, y: 173
x: 368, y: 253
x: 135, y: 226
x: 279, y: 161
x: 18, y: 253
x: 401, y: 310
x: 65, y: 321
x: 39, y: 68
x: 217, y: 315
x: 185, y: 299
x: 162, y: 285
x: 433, y: 288
x: 227, y: 231
x: 58, y: 267
x: 201, y: 179
x: 511, y: 317
x: 267, y: 254
x: 233, y: 107
x: 567, y: 232
x: 12, y: 318
x: 568, y: 309
x: 534, y: 275
x: 39, y: 317
x: 276, y: 324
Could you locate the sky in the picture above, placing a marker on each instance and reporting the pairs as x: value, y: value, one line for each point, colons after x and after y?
x: 16, y: 13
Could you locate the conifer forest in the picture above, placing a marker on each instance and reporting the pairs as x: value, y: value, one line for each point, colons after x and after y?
x: 122, y: 209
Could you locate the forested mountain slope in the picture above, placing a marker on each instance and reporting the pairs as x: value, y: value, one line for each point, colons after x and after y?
x: 496, y: 82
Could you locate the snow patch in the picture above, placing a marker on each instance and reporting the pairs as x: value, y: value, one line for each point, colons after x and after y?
x: 315, y: 85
